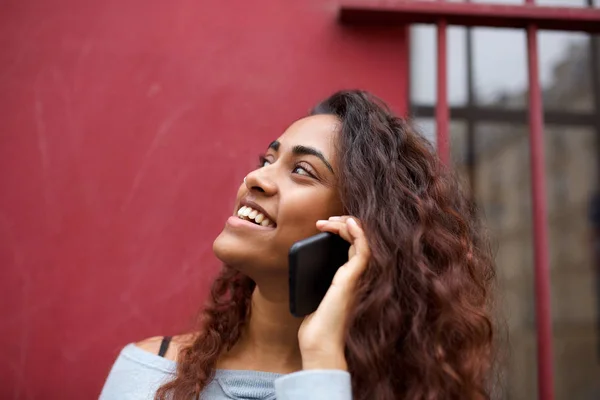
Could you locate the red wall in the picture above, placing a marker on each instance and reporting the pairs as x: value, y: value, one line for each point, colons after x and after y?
x: 125, y: 128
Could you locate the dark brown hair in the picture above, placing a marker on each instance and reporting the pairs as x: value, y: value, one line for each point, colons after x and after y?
x: 421, y: 326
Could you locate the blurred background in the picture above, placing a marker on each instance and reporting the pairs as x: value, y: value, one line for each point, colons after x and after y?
x: 126, y: 127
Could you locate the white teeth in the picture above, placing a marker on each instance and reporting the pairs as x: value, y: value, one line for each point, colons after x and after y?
x: 265, y: 222
x: 246, y: 212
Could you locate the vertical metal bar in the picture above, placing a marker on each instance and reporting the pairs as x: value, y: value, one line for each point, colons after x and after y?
x: 595, y: 79
x: 405, y: 71
x: 442, y: 113
x: 540, y: 224
x: 471, y: 156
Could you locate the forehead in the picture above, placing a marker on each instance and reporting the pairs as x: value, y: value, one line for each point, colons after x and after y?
x: 316, y: 131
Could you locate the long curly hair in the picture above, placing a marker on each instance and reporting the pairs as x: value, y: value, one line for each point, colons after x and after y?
x: 421, y: 326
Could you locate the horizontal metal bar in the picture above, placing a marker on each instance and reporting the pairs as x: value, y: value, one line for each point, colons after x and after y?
x: 382, y: 12
x: 482, y: 114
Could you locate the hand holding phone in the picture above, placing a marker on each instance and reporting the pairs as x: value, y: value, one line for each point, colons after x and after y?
x: 322, y: 334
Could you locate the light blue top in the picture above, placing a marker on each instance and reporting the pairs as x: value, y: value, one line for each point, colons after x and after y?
x: 137, y: 374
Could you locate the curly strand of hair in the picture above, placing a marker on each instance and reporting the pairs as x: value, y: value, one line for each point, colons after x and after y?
x: 221, y: 323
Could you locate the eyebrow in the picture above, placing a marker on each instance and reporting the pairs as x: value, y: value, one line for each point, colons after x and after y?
x: 304, y: 150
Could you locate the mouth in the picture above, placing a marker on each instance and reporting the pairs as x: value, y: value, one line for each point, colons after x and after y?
x: 258, y: 217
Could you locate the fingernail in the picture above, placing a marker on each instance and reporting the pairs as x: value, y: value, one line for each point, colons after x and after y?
x: 335, y: 218
x: 351, y: 221
x: 322, y: 221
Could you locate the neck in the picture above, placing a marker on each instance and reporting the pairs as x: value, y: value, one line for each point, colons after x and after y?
x: 270, y: 340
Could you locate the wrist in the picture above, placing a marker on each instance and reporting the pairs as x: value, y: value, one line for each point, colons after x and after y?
x: 324, y: 360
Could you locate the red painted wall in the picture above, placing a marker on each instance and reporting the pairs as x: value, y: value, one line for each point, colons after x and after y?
x: 125, y: 129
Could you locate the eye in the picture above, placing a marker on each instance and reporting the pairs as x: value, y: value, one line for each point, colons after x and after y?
x: 263, y: 162
x: 300, y: 170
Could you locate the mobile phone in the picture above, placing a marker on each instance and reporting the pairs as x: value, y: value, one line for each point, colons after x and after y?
x: 312, y: 264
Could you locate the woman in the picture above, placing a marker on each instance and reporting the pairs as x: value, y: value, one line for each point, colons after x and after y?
x: 406, y: 318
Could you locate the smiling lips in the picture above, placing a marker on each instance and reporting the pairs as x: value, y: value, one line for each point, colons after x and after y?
x: 252, y: 215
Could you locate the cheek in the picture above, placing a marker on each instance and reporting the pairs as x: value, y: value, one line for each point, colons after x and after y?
x: 300, y: 213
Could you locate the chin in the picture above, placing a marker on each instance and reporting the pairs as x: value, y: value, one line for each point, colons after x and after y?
x: 227, y: 250
x: 247, y: 258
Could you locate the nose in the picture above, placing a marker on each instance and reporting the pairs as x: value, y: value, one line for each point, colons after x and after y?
x: 259, y: 181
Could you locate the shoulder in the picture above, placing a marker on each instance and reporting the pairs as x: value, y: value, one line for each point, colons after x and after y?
x: 138, y: 372
x: 152, y: 345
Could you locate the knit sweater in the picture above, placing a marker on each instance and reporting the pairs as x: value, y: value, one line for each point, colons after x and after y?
x: 137, y: 374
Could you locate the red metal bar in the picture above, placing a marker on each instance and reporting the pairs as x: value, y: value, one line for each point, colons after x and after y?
x: 442, y: 113
x: 383, y: 12
x: 404, y: 72
x: 540, y: 225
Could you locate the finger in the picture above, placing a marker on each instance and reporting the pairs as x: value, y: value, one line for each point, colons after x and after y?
x: 361, y: 247
x: 337, y: 227
x: 358, y: 237
x: 330, y: 224
x: 347, y: 276
x: 344, y: 218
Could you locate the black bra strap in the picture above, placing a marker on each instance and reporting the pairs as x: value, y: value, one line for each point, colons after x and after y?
x: 164, y: 345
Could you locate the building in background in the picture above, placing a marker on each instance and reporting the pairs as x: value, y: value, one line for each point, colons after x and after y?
x: 502, y: 183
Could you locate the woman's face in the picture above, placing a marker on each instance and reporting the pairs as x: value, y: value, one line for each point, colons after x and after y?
x: 295, y: 186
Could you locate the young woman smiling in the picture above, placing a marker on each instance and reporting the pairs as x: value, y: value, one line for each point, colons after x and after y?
x: 406, y: 318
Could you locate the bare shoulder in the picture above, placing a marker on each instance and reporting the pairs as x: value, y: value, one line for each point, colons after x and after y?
x: 152, y: 345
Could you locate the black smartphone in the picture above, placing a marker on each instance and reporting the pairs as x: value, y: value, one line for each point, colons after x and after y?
x: 312, y: 264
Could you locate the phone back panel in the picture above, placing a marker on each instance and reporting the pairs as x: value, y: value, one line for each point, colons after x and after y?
x: 312, y: 264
